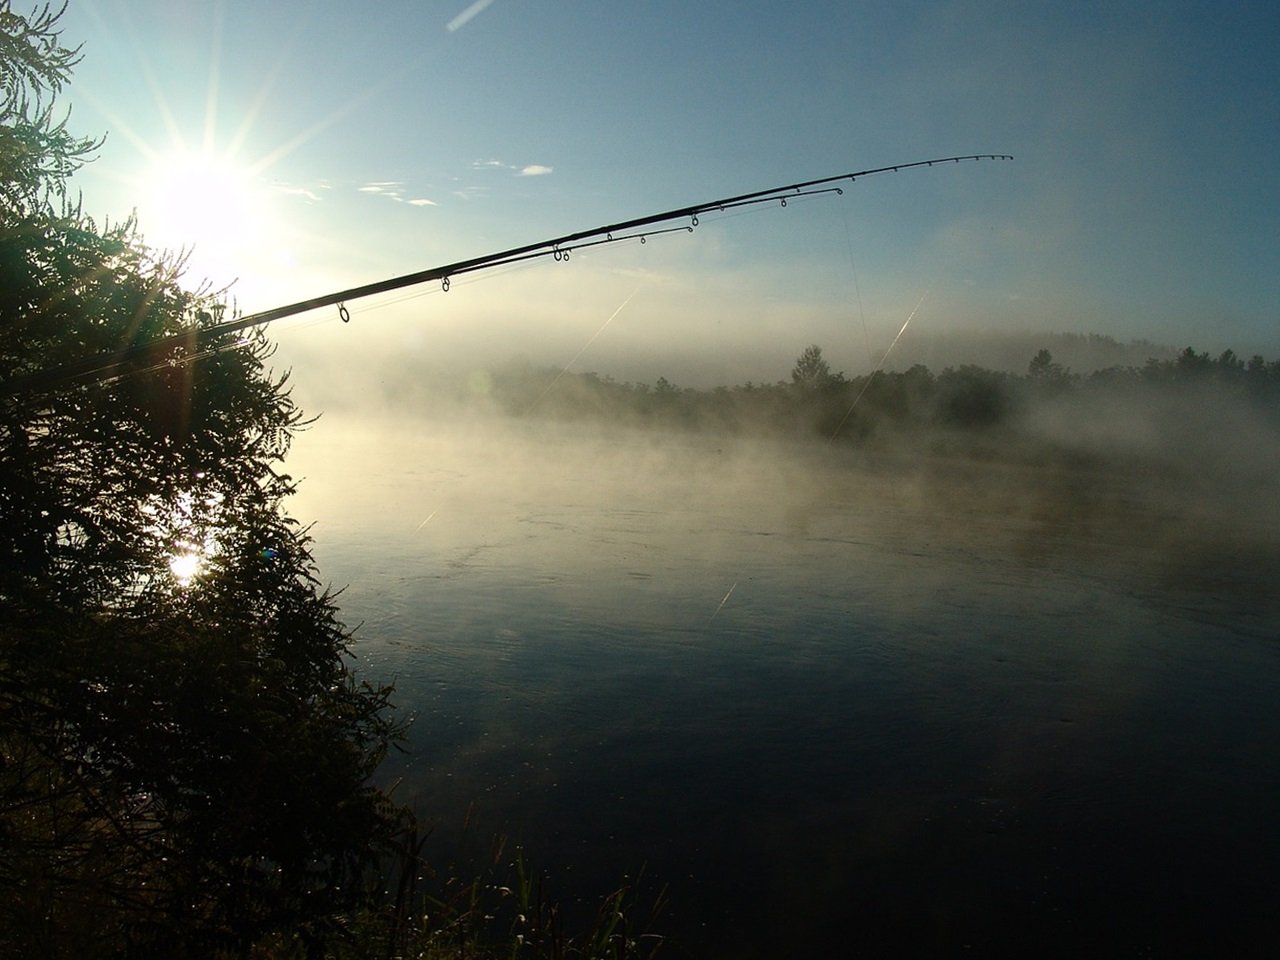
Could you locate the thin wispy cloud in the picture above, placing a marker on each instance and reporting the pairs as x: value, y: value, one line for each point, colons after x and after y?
x: 394, y: 190
x: 293, y: 190
x: 520, y: 170
x: 462, y: 19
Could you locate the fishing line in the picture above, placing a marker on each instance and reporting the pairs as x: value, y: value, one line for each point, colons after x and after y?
x: 204, y: 354
x: 733, y: 213
x: 857, y: 288
x: 493, y: 274
x: 879, y: 366
x: 591, y: 340
x: 403, y: 298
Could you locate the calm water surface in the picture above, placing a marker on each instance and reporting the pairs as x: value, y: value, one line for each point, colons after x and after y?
x: 868, y: 706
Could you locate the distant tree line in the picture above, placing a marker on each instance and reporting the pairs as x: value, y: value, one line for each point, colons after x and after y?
x: 817, y: 400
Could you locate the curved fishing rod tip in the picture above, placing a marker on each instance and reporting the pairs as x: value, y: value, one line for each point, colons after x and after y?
x: 99, y: 368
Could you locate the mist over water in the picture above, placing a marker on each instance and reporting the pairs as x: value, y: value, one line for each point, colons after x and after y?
x: 910, y: 701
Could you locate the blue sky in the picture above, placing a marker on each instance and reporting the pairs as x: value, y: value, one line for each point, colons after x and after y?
x: 345, y: 143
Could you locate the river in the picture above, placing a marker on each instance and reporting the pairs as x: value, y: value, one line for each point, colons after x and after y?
x: 839, y: 703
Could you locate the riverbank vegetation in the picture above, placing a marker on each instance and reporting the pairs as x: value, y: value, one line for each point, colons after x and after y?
x: 186, y: 752
x: 1189, y: 411
x: 834, y: 406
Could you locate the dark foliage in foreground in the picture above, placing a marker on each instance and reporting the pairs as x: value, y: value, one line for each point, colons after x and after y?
x: 185, y: 761
x: 496, y: 906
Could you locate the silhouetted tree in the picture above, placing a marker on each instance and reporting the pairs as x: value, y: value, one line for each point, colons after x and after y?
x: 185, y: 761
x: 811, y: 371
x: 1042, y: 366
x: 1229, y: 367
x: 1045, y: 375
x: 1190, y: 364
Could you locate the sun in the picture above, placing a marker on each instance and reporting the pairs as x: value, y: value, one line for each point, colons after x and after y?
x: 185, y: 567
x: 196, y: 195
x: 213, y: 207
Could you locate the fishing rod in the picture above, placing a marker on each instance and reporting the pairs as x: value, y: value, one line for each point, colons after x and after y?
x: 194, y: 340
